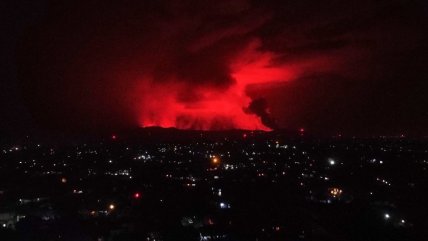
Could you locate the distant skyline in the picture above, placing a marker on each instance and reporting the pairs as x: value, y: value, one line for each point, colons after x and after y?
x: 330, y: 67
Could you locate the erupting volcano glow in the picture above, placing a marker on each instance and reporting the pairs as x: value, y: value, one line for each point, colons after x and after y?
x: 212, y: 107
x: 216, y: 65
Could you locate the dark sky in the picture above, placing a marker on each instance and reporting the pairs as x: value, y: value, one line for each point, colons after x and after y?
x: 349, y: 67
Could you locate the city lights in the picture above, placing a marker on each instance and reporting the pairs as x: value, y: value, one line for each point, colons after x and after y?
x: 215, y: 160
x: 64, y: 180
x: 111, y: 207
x: 335, y: 192
x: 110, y: 175
x: 224, y: 205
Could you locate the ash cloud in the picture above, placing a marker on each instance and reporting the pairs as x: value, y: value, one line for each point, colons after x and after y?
x: 260, y: 108
x: 189, y: 64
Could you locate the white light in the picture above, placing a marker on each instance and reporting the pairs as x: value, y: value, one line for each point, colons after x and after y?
x: 387, y: 216
x: 111, y: 206
x: 331, y: 161
x: 403, y: 221
x: 4, y: 225
x: 224, y: 205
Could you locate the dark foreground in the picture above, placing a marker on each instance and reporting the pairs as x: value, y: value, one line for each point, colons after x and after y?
x: 240, y: 186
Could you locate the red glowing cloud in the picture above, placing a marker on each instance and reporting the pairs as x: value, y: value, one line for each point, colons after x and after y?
x: 214, y: 107
x: 206, y: 65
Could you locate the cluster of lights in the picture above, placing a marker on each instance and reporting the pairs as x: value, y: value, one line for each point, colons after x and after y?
x: 325, y: 178
x: 13, y: 149
x: 335, y: 192
x: 384, y: 181
x: 224, y: 205
x: 388, y: 216
x: 76, y: 191
x: 124, y: 172
x: 230, y: 167
x: 143, y: 157
x: 374, y: 161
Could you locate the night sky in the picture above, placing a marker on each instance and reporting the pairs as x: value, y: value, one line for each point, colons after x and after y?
x: 348, y: 67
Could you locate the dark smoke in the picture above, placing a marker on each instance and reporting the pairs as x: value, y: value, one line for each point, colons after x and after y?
x: 260, y: 108
x: 189, y: 64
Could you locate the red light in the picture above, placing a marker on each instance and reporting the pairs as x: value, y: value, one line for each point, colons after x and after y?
x: 215, y: 107
x: 244, y: 135
x: 137, y: 195
x: 302, y: 130
x: 113, y: 137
